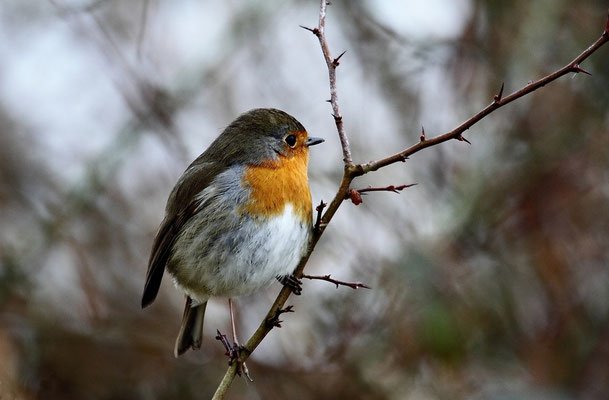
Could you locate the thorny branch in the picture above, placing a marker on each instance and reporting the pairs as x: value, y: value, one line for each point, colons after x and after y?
x: 498, y: 101
x: 327, y: 278
x: 351, y: 170
x: 355, y: 195
x: 332, y: 63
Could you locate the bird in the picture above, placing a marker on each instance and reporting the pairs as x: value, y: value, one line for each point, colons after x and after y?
x: 239, y: 217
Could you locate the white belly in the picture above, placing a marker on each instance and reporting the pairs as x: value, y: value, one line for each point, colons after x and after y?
x: 244, y: 260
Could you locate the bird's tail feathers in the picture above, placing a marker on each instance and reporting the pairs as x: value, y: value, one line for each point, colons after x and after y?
x: 191, y: 331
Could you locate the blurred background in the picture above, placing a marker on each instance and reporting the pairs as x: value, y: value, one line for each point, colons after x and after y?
x: 490, y: 277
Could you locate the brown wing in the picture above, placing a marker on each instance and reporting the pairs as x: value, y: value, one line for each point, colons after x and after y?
x: 182, y: 205
x: 161, y: 249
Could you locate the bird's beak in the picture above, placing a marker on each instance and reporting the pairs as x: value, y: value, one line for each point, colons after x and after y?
x: 312, y: 141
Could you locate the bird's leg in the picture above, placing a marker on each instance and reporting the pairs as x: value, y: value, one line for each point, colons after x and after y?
x: 235, y: 351
x: 232, y: 320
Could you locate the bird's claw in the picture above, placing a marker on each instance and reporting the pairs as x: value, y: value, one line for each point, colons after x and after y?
x: 292, y: 283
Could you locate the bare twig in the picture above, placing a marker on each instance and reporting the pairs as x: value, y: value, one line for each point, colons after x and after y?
x: 390, y: 188
x: 327, y: 278
x: 498, y: 101
x: 352, y: 171
x: 332, y: 63
x: 355, y: 195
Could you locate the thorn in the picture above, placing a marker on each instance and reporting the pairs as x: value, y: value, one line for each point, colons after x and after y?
x: 462, y: 139
x: 422, y: 137
x: 337, y: 118
x: 396, y: 189
x: 315, y: 31
x: 403, y: 158
x: 497, y: 97
x: 329, y: 101
x: 576, y: 68
x: 335, y: 62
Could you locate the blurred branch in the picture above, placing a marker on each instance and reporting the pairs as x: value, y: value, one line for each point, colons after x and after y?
x: 150, y: 103
x: 142, y: 28
x: 352, y: 171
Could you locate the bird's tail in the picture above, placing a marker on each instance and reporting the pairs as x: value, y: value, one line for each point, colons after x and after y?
x: 191, y: 331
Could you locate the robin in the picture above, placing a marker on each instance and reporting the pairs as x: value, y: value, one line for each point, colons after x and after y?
x: 239, y: 217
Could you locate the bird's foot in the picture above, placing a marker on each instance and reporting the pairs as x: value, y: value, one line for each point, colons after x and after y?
x: 275, y: 321
x: 233, y: 352
x: 292, y: 283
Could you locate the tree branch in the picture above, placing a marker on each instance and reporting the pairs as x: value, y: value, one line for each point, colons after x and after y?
x: 332, y: 63
x: 327, y: 278
x: 498, y: 102
x: 355, y: 195
x: 351, y: 171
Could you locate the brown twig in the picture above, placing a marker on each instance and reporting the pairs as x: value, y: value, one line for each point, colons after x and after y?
x: 351, y: 171
x: 355, y: 195
x: 498, y: 101
x: 390, y: 188
x: 327, y: 278
x: 332, y: 63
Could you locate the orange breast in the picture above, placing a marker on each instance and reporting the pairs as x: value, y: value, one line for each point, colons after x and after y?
x: 274, y: 184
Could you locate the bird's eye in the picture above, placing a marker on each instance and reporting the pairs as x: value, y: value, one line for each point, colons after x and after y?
x: 290, y: 140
